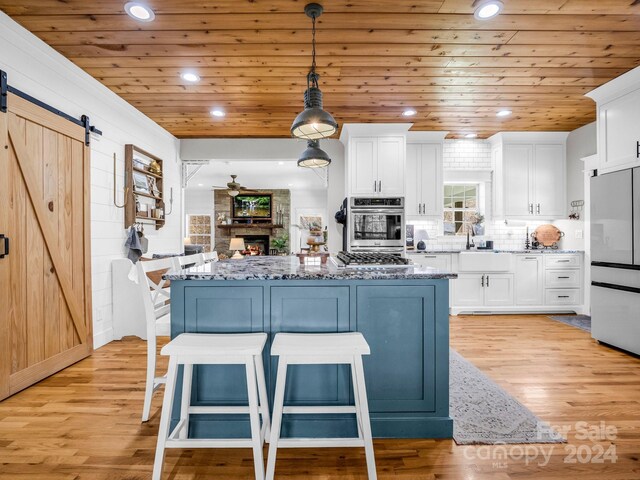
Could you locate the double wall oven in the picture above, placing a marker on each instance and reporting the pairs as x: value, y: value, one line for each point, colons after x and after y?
x: 376, y: 225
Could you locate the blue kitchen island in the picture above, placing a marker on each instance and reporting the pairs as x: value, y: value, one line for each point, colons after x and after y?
x: 401, y: 311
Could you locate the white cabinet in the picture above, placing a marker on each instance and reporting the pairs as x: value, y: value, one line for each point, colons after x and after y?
x: 363, y: 164
x: 480, y: 290
x: 529, y: 175
x: 468, y: 290
x: 440, y: 261
x: 618, y: 118
x: 424, y: 180
x: 536, y: 282
x: 529, y: 280
x: 376, y: 166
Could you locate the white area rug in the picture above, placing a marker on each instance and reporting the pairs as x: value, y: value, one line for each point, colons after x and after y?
x: 483, y: 413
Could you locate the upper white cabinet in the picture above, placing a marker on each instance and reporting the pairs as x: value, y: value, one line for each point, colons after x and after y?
x: 529, y: 175
x: 423, y: 193
x: 375, y: 163
x: 618, y: 119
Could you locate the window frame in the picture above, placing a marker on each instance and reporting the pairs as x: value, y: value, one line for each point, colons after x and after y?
x: 466, y: 225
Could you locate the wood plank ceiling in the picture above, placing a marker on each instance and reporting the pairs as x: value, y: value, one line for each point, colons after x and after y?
x: 376, y: 58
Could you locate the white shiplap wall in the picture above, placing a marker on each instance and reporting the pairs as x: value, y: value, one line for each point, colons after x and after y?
x: 37, y: 69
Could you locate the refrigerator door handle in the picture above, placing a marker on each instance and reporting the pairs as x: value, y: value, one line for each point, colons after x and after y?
x: 611, y: 286
x: 622, y: 266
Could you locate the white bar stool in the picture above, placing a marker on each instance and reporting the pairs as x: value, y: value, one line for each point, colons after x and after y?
x: 190, y: 349
x: 318, y: 348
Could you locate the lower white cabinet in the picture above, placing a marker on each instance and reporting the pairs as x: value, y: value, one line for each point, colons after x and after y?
x: 440, y: 261
x: 535, y: 283
x: 529, y: 280
x: 480, y: 290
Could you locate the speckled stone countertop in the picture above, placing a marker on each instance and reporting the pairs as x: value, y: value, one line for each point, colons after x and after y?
x: 289, y: 268
x: 545, y: 251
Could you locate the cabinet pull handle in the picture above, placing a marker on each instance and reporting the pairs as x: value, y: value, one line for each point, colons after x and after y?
x: 487, y: 280
x: 424, y: 208
x: 637, y: 149
x: 564, y: 261
x: 430, y: 256
x: 483, y: 280
x: 538, y: 209
x: 531, y: 208
x: 564, y: 277
x: 379, y: 186
x: 420, y: 208
x: 5, y: 252
x: 375, y: 186
x: 563, y: 296
x: 530, y: 258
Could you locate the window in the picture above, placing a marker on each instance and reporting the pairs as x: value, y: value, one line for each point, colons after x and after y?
x: 199, y: 230
x: 460, y: 208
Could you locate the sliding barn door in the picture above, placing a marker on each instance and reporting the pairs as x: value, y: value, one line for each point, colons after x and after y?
x: 45, y: 277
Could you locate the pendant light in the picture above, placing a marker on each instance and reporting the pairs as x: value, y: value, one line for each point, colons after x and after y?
x: 313, y: 122
x: 314, y: 156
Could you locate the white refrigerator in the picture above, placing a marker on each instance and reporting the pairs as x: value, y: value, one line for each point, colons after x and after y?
x: 615, y: 259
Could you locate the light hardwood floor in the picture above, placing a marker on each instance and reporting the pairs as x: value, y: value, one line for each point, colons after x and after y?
x: 84, y: 422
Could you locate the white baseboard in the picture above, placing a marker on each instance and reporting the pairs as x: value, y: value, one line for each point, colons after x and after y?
x: 102, y: 338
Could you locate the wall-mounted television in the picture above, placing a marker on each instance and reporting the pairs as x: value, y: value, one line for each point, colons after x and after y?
x: 252, y: 206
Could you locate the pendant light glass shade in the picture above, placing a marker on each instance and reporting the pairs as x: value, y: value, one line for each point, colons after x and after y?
x: 314, y: 156
x: 313, y: 123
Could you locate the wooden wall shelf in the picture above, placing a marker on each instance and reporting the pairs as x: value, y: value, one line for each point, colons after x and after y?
x: 136, y: 165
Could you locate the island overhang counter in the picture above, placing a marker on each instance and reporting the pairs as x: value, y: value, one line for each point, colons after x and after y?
x: 403, y: 313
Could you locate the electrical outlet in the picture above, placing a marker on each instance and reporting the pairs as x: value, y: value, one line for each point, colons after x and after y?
x: 579, y: 234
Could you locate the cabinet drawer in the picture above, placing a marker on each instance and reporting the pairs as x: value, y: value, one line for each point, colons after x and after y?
x: 562, y: 278
x: 562, y: 296
x: 561, y: 261
x: 441, y: 262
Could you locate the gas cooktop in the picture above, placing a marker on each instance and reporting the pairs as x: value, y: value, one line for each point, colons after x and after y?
x: 373, y: 259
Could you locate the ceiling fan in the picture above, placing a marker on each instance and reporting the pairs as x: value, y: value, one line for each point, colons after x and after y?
x: 233, y: 187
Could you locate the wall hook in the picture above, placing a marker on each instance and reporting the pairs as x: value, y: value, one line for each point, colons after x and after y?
x: 126, y: 190
x: 170, y: 202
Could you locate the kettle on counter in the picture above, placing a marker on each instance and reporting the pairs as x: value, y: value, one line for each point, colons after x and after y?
x: 421, y: 245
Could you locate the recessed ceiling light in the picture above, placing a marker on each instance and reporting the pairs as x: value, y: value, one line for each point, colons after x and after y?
x: 503, y: 113
x: 290, y: 184
x: 280, y: 163
x: 217, y: 113
x: 471, y: 135
x: 190, y: 77
x: 139, y: 11
x: 409, y: 112
x: 200, y: 185
x: 488, y: 9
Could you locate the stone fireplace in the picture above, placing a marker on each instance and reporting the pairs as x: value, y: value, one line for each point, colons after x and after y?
x: 254, y: 233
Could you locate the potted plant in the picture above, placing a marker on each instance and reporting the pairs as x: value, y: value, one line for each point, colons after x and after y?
x: 280, y: 243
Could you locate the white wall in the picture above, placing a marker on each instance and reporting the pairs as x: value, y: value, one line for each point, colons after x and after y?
x: 36, y: 69
x: 306, y: 202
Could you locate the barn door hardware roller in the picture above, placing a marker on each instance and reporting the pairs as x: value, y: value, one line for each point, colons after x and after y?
x: 83, y: 122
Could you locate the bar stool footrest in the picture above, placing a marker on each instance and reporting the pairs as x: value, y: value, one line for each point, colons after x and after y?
x: 209, y: 443
x: 320, y: 442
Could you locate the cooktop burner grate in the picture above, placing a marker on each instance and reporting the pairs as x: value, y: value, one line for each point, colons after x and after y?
x: 371, y: 258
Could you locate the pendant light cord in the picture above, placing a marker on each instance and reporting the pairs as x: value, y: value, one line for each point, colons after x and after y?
x: 312, y: 78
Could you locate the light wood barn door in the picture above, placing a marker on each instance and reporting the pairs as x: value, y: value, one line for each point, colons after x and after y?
x: 45, y: 280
